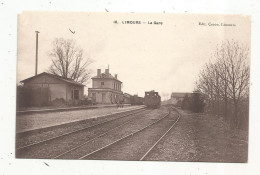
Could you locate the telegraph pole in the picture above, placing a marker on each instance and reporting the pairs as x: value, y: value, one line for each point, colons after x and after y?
x: 36, y: 62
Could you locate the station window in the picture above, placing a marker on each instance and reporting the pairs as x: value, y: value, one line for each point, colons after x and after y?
x: 102, y: 83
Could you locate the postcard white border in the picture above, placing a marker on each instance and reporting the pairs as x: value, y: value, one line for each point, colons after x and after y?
x: 8, y: 17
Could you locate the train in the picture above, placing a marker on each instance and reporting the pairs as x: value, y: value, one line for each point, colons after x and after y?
x: 136, y: 100
x: 152, y: 99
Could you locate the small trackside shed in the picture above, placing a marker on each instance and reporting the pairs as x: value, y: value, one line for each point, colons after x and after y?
x: 59, y: 87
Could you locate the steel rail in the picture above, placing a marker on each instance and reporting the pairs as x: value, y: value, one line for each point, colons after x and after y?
x: 161, y: 137
x: 68, y: 133
x: 131, y: 134
x: 72, y: 149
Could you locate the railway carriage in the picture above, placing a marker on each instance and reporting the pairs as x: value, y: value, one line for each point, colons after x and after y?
x: 152, y: 99
x: 135, y: 100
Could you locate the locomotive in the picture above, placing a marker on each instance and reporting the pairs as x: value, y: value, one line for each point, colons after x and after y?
x: 152, y: 99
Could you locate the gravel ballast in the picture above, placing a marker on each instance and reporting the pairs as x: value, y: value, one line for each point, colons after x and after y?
x: 118, y: 133
x: 202, y: 138
x: 135, y: 146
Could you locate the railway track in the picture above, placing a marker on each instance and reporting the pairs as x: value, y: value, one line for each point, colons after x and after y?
x: 95, y: 141
x: 112, y: 136
x: 89, y: 149
x: 179, y: 116
x: 117, y: 150
x: 112, y: 122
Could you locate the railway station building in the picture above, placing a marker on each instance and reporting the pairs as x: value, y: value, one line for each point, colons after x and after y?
x: 46, y: 87
x: 106, y: 89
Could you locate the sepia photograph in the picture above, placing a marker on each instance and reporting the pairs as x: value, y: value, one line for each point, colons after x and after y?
x: 133, y: 86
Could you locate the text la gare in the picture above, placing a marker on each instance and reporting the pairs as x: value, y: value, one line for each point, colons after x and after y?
x: 155, y: 22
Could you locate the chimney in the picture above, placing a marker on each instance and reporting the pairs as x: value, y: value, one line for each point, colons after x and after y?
x: 115, y: 76
x: 107, y: 72
x: 99, y: 72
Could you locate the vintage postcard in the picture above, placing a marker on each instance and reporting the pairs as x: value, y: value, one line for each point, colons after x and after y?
x: 133, y: 86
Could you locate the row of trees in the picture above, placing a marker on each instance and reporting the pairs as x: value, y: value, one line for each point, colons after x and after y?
x: 195, y: 102
x: 225, y: 82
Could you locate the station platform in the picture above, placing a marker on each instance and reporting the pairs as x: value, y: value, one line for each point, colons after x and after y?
x: 41, y: 119
x: 45, y: 110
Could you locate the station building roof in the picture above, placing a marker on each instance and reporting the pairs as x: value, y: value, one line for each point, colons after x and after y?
x: 105, y: 76
x: 66, y: 80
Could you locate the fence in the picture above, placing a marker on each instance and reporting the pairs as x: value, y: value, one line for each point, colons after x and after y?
x: 33, y: 97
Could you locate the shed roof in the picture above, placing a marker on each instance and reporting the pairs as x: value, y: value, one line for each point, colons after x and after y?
x: 67, y: 80
x: 180, y: 94
x: 183, y: 94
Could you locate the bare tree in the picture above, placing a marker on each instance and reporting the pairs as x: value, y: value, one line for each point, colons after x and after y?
x: 68, y: 61
x: 208, y: 83
x: 227, y: 79
x: 234, y: 73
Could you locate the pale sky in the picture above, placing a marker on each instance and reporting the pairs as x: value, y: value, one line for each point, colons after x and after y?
x: 165, y: 58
